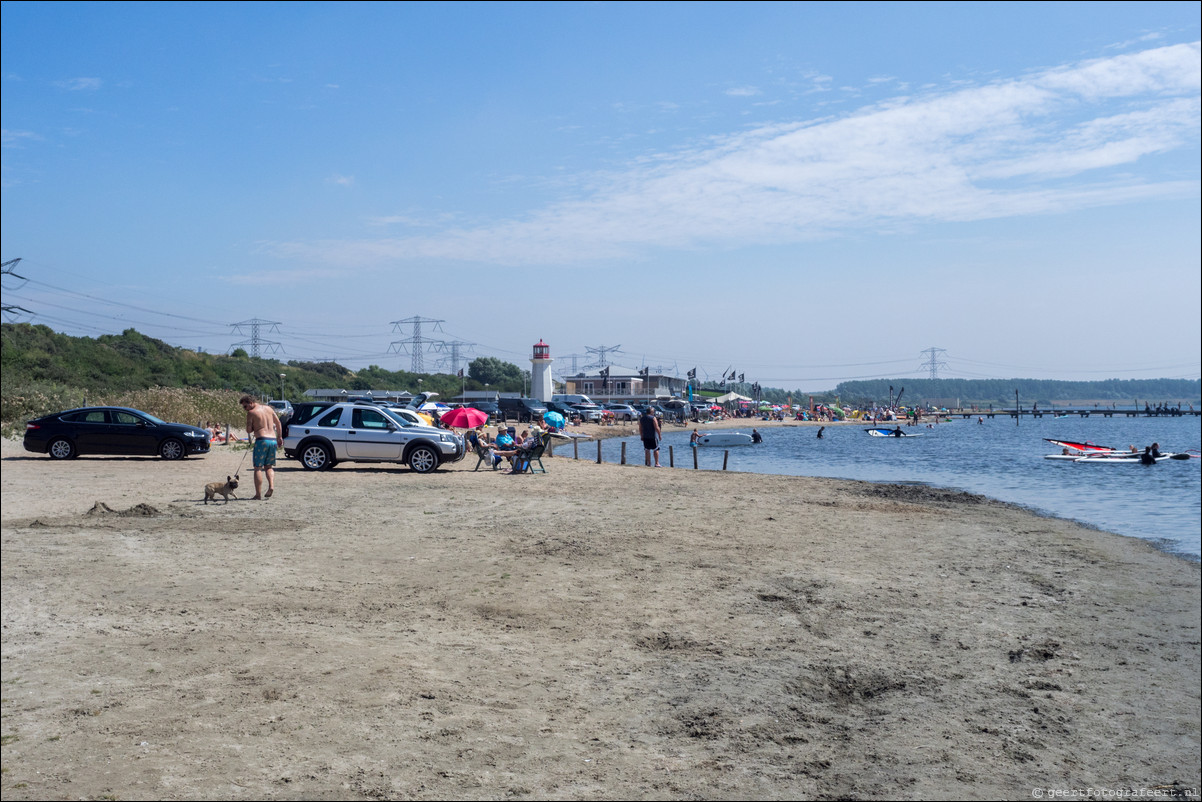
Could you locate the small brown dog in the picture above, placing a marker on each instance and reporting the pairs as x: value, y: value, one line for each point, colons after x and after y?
x: 225, y: 488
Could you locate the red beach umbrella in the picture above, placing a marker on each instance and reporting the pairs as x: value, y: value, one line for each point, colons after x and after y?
x: 464, y: 418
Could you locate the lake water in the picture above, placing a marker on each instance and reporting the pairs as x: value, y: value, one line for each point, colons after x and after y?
x: 999, y: 459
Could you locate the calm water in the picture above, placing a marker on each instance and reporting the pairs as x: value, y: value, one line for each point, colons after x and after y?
x: 1160, y: 503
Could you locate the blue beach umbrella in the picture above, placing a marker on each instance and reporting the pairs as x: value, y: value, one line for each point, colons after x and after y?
x: 554, y: 420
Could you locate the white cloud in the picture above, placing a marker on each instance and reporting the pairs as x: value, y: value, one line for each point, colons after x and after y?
x: 1037, y: 144
x: 273, y: 278
x: 342, y: 180
x: 15, y: 139
x: 79, y: 84
x: 743, y: 91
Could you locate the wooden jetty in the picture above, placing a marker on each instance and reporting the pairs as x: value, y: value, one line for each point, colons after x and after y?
x: 1082, y: 412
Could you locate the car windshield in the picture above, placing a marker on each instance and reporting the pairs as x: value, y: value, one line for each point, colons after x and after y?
x: 150, y: 417
x: 391, y: 413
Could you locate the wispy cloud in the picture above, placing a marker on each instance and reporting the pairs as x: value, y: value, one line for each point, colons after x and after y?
x: 342, y: 180
x: 743, y: 91
x: 79, y: 84
x: 1139, y: 40
x: 412, y: 220
x: 1062, y: 139
x: 15, y: 139
x: 273, y: 278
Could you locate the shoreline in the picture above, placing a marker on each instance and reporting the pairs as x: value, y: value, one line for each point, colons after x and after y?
x: 1163, y: 545
x: 593, y: 632
x: 597, y: 431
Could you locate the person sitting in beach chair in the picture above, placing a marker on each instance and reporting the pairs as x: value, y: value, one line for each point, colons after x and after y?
x: 523, y: 455
x: 482, y: 449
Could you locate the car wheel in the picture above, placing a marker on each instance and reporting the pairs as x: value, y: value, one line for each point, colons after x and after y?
x: 423, y: 459
x: 172, y: 449
x: 316, y: 457
x: 61, y: 449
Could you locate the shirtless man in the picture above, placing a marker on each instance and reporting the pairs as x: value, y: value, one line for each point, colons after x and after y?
x: 263, y: 427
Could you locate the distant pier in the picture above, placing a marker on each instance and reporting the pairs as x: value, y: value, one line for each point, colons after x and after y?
x: 1083, y: 412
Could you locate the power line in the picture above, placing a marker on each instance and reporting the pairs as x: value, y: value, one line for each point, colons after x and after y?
x: 600, y: 352
x: 934, y: 363
x: 416, y: 340
x: 455, y: 356
x: 6, y: 269
x: 256, y: 342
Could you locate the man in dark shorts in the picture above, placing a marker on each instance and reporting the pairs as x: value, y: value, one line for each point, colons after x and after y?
x: 650, y: 431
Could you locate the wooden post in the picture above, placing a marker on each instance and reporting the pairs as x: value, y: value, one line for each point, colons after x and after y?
x: 671, y: 458
x: 695, y: 450
x: 575, y: 448
x: 623, y: 461
x: 598, y: 452
x: 725, y: 456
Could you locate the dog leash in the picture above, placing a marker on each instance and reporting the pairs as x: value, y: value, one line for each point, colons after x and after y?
x: 239, y: 469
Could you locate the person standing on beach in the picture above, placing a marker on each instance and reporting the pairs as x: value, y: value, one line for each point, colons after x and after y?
x: 650, y: 432
x: 263, y: 427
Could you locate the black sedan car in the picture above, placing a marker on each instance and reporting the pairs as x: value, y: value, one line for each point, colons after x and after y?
x: 486, y: 406
x: 112, y: 430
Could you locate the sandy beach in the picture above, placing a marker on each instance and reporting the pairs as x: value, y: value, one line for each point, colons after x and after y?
x: 600, y: 631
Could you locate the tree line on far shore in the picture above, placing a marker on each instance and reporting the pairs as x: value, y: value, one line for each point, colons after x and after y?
x: 1001, y: 392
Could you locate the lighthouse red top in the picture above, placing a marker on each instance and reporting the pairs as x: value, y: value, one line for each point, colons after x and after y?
x: 542, y: 350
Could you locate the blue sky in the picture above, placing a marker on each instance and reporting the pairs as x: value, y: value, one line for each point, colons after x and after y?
x: 804, y: 192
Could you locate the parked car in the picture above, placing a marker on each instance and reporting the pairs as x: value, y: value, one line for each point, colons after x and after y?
x: 112, y: 430
x: 411, y: 415
x: 563, y: 409
x: 282, y: 408
x: 351, y: 432
x: 489, y: 407
x: 623, y: 411
x: 589, y: 412
x: 568, y: 400
x: 524, y: 409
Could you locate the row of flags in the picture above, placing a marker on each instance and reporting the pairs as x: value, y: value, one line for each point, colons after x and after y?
x: 646, y: 373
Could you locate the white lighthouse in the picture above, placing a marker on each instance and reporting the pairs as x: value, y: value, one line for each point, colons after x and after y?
x: 540, y: 372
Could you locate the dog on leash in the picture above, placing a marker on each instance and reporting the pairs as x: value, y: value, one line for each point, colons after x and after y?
x: 226, y: 489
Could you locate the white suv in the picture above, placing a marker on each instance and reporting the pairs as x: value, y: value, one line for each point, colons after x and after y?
x: 355, y: 432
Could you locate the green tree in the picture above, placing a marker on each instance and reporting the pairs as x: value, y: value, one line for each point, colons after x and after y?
x: 494, y: 372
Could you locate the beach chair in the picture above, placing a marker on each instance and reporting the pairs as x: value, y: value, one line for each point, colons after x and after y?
x: 524, y: 462
x: 483, y: 453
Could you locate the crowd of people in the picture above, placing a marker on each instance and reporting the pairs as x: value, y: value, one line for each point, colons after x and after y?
x: 509, y: 446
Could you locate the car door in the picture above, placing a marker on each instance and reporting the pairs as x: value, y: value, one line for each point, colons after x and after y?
x: 131, y: 434
x: 332, y: 426
x: 372, y: 435
x: 90, y: 430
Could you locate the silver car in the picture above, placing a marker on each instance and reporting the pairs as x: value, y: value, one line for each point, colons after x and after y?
x: 623, y: 411
x: 588, y: 412
x: 355, y: 432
